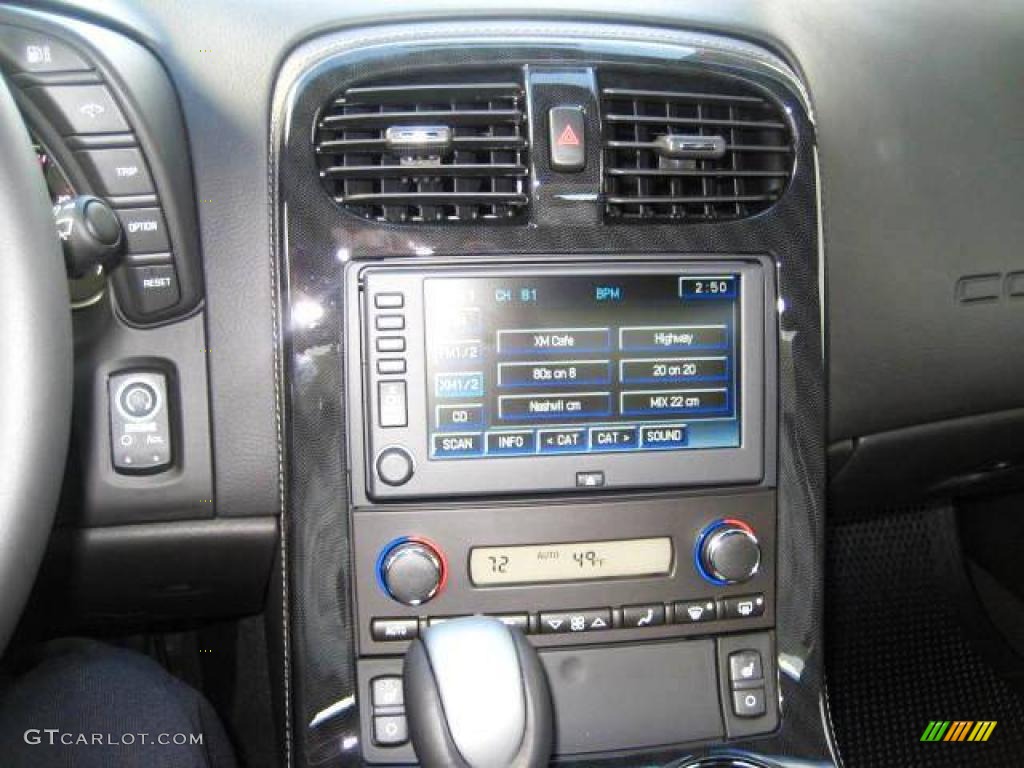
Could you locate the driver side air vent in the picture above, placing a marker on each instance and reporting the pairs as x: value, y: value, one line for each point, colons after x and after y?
x: 449, y: 149
x: 691, y: 149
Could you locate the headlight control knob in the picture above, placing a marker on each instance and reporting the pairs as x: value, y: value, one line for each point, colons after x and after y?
x: 412, y: 570
x: 728, y: 552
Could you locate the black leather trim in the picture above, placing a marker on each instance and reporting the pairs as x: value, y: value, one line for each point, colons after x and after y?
x: 35, y: 351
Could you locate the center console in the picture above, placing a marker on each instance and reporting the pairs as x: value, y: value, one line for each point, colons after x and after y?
x: 553, y: 356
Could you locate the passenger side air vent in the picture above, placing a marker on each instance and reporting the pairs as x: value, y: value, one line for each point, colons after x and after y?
x: 700, y: 148
x: 449, y: 149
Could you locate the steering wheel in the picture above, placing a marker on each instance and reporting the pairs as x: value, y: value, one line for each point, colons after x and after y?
x: 36, y: 356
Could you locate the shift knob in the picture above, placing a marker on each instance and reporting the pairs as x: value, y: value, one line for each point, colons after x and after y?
x: 477, y: 697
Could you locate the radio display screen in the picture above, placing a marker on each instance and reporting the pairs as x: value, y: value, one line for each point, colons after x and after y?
x: 554, y: 364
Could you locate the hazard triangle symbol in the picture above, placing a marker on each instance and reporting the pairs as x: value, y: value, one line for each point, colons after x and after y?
x: 568, y: 137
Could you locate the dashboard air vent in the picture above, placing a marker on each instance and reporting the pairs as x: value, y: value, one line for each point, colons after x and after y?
x: 699, y: 148
x: 451, y: 149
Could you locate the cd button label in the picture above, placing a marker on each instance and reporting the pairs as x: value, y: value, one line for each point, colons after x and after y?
x: 460, y: 416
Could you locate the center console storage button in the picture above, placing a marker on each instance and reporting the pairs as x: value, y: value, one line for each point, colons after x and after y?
x: 638, y: 616
x: 695, y: 611
x: 589, y: 620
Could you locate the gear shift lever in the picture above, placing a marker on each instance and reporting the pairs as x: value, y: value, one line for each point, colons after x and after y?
x: 477, y: 697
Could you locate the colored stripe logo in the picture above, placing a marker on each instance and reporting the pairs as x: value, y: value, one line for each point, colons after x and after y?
x: 958, y: 730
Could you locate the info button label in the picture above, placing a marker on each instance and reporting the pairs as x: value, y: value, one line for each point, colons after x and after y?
x: 509, y: 443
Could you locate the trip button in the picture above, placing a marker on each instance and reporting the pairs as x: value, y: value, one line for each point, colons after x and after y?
x: 80, y: 109
x: 31, y: 51
x: 118, y: 172
x: 152, y: 288
x: 562, y: 622
x: 567, y: 136
x: 144, y: 230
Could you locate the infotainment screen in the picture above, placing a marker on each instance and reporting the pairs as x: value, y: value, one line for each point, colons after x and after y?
x: 561, y: 364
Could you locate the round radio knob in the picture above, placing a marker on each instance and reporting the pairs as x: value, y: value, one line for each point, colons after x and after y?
x: 394, y: 466
x: 728, y: 552
x: 412, y: 571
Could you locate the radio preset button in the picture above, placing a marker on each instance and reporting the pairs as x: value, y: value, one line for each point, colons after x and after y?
x: 468, y: 416
x: 675, y: 401
x: 553, y: 341
x: 545, y: 406
x: 664, y: 436
x: 562, y: 440
x: 391, y: 344
x: 510, y: 443
x: 389, y: 301
x: 457, y: 445
x: 673, y: 337
x: 394, y: 466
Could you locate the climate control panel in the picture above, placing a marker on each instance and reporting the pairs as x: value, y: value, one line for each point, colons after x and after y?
x: 645, y: 569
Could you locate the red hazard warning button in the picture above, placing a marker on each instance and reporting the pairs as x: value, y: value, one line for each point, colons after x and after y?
x: 566, y: 131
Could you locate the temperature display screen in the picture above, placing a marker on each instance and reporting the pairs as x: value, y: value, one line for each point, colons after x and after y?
x: 579, y: 561
x: 534, y: 365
